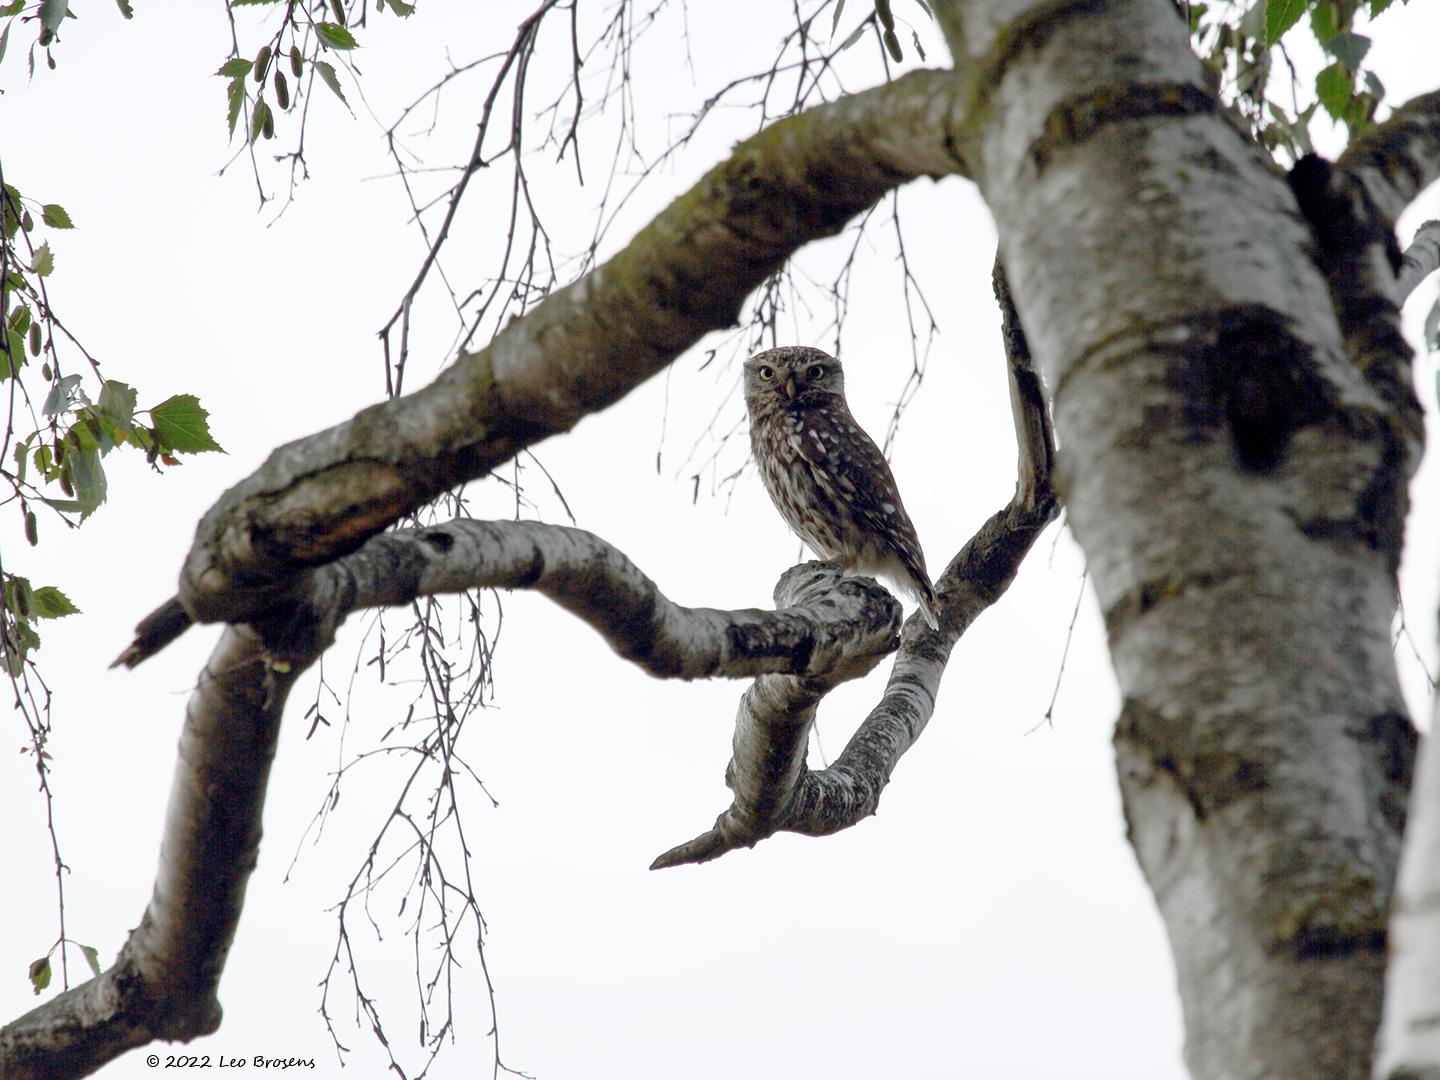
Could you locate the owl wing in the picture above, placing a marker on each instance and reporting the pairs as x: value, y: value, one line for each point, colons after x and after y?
x: 852, y: 472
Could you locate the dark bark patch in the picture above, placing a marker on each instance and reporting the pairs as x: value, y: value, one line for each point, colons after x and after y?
x: 1348, y: 916
x: 1395, y: 744
x: 1082, y: 117
x: 1245, y: 370
x: 438, y: 539
x: 1198, y: 757
x: 1150, y: 594
x: 755, y: 641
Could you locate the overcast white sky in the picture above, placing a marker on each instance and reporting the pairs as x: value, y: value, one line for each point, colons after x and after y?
x: 989, y: 921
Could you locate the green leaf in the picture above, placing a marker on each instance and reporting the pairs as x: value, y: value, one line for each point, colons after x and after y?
x: 20, y: 319
x: 40, y: 973
x: 51, y: 603
x: 129, y: 13
x: 1324, y: 21
x: 336, y: 36
x: 88, y: 476
x: 92, y: 957
x: 54, y: 215
x: 44, y: 261
x: 236, y: 66
x: 1377, y: 6
x: 1280, y: 16
x: 330, y: 79
x: 117, y: 401
x: 12, y: 8
x: 249, y: 3
x: 854, y: 37
x: 1334, y: 86
x: 835, y: 20
x: 4, y: 40
x: 57, y: 400
x: 183, y: 425
x: 235, y: 99
x: 1348, y: 48
x: 401, y: 8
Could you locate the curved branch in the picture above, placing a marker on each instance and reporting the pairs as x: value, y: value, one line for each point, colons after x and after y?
x: 773, y: 790
x: 688, y: 272
x: 164, y: 982
x: 1421, y: 259
x: 831, y: 625
x: 1400, y: 157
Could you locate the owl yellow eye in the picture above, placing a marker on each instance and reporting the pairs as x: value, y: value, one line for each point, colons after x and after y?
x: 815, y: 371
x: 765, y: 373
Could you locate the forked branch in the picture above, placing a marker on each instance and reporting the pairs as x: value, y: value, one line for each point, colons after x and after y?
x: 773, y: 790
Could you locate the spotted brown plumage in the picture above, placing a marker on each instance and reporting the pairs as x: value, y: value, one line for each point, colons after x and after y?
x: 826, y: 476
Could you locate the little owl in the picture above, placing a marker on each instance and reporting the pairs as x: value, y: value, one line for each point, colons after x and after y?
x: 828, y: 480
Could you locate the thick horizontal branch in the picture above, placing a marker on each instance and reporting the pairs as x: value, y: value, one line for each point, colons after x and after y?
x: 687, y: 273
x: 773, y: 791
x: 164, y: 983
x: 830, y: 623
x: 1399, y: 157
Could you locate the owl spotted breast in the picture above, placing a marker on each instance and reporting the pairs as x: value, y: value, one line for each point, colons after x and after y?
x: 827, y: 478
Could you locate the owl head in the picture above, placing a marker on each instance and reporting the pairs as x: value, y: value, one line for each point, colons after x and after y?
x: 793, y: 375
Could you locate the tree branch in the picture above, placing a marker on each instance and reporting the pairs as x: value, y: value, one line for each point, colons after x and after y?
x: 1421, y: 259
x: 163, y: 984
x: 1400, y: 157
x: 773, y: 791
x: 1360, y: 258
x: 584, y: 347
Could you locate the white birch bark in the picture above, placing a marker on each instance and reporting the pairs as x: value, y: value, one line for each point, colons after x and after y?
x: 1410, y: 1029
x: 1237, y: 480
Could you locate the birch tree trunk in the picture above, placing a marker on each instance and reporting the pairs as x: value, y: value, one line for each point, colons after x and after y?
x: 1236, y: 477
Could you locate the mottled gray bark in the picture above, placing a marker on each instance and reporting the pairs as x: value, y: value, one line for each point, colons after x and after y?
x: 1234, y: 460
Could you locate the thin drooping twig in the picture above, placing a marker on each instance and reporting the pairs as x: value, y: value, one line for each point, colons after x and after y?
x: 773, y: 791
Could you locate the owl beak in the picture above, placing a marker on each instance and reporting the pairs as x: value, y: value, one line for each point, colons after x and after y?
x: 790, y: 387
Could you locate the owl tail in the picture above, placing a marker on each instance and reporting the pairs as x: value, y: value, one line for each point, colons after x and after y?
x: 915, y: 584
x: 929, y: 604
